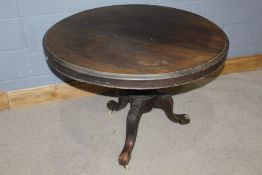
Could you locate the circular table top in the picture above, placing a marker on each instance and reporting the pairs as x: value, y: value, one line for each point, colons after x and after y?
x: 135, y: 46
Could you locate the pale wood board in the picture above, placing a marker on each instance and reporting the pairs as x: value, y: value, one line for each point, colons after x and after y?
x: 76, y: 89
x: 4, y: 104
x: 243, y: 64
x: 47, y: 94
x: 41, y: 95
x: 29, y: 97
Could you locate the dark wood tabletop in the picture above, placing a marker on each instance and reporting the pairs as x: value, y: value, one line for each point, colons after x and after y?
x: 135, y: 47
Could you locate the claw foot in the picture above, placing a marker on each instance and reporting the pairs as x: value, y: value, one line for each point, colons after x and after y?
x: 183, y: 119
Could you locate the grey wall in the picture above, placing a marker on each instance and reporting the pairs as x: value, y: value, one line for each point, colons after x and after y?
x: 24, y: 22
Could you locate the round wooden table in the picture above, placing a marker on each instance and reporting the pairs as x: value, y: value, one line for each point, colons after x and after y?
x: 137, y: 48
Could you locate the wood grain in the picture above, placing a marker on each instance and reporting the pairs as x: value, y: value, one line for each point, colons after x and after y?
x: 242, y: 64
x: 29, y: 97
x: 42, y: 95
x: 151, y: 39
x: 77, y: 89
x: 135, y: 46
x: 4, y: 104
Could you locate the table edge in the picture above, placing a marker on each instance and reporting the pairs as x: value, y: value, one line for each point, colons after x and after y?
x: 108, y: 75
x: 136, y: 84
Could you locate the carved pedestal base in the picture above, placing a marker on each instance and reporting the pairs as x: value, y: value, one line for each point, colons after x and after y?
x: 142, y: 102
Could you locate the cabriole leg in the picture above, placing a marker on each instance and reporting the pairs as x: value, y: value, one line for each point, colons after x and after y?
x: 165, y: 102
x: 138, y: 107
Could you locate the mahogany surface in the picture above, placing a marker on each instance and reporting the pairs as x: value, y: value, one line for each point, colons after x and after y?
x: 135, y: 46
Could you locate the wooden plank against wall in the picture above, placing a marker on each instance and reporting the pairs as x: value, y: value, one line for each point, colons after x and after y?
x: 29, y: 97
x: 41, y: 95
x: 242, y: 64
x: 4, y: 104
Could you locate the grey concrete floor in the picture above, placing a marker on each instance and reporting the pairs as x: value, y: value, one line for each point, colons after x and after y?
x: 78, y: 137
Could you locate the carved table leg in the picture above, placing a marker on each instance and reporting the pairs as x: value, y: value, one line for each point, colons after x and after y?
x: 117, y: 106
x: 139, y: 105
x: 165, y: 102
x: 142, y: 102
x: 132, y: 122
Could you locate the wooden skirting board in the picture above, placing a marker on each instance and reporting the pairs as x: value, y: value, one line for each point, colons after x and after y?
x: 4, y: 103
x: 47, y: 94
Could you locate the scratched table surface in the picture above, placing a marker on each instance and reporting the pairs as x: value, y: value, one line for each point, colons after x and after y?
x: 135, y: 46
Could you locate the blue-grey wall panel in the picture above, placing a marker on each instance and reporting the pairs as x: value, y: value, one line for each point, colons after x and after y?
x: 38, y: 63
x: 258, y: 32
x: 184, y: 5
x: 35, y: 27
x: 14, y: 65
x: 10, y: 85
x: 241, y: 34
x: 41, y: 7
x: 76, y: 5
x: 11, y: 34
x: 8, y: 8
x: 228, y: 11
x: 246, y: 50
